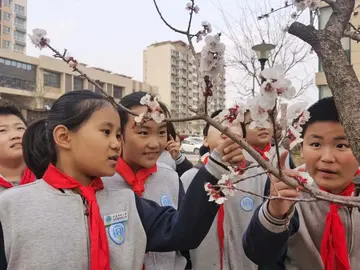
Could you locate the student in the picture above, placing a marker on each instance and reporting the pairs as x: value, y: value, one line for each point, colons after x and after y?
x: 312, y: 235
x: 64, y: 213
x: 137, y: 168
x: 222, y: 247
x: 260, y: 140
x: 172, y: 156
x: 12, y: 166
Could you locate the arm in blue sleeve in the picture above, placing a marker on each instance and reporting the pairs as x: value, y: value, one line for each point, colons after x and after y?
x: 182, y: 165
x: 265, y: 240
x: 3, y: 262
x: 171, y: 230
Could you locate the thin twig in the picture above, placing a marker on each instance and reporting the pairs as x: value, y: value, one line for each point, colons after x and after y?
x: 93, y: 82
x: 273, y: 122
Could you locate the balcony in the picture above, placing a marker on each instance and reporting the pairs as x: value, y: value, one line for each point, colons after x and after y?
x: 20, y: 15
x: 20, y: 28
x: 20, y: 41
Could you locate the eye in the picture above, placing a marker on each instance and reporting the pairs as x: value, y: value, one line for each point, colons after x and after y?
x: 315, y: 144
x: 2, y: 130
x: 342, y: 146
x: 21, y: 128
x: 106, y: 131
x: 162, y: 132
x: 143, y: 133
x: 118, y: 136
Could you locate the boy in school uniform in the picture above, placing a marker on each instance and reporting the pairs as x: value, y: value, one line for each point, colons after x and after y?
x: 222, y: 247
x: 172, y: 155
x: 311, y: 235
x: 138, y: 169
x: 13, y: 170
x: 260, y: 140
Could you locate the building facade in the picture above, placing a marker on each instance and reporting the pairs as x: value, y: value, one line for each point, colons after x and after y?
x: 33, y: 83
x: 171, y: 66
x: 351, y: 47
x: 13, y: 21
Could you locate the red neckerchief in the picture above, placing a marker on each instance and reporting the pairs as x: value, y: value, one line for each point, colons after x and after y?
x: 333, y: 245
x: 99, y: 247
x: 27, y: 177
x: 263, y: 151
x: 136, y: 181
x: 220, y: 225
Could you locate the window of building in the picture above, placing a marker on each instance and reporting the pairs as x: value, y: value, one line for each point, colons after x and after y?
x: 19, y: 48
x: 20, y: 22
x: 97, y: 89
x: 16, y: 83
x: 52, y: 79
x: 6, y: 30
x: 118, y: 90
x: 78, y: 83
x: 19, y: 9
x: 7, y: 2
x: 7, y: 16
x: 19, y: 36
x: 325, y: 14
x: 6, y: 44
x: 324, y: 91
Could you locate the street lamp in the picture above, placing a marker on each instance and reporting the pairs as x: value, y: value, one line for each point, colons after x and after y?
x: 262, y: 52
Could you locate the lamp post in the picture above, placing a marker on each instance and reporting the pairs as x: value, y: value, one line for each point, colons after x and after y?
x: 263, y: 51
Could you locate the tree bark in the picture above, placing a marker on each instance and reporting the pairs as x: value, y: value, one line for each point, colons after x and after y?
x: 340, y: 75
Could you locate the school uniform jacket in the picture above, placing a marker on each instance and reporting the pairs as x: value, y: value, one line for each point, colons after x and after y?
x: 298, y: 239
x: 165, y: 188
x: 180, y: 165
x: 239, y: 210
x: 44, y: 228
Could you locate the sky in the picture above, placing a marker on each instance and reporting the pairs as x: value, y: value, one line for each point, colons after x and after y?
x: 112, y: 35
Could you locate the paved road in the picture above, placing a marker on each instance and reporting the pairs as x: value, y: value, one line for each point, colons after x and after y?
x: 193, y: 158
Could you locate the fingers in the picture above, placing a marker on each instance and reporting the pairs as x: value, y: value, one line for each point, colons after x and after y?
x: 283, y: 157
x: 224, y: 144
x: 234, y: 157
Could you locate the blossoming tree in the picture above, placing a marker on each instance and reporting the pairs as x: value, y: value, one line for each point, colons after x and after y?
x: 275, y: 90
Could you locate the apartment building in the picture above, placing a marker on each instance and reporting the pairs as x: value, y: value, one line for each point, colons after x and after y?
x: 171, y: 66
x: 32, y: 83
x: 352, y: 49
x: 13, y: 17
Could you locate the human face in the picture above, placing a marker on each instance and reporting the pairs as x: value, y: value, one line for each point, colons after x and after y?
x: 258, y: 137
x: 11, y: 132
x: 328, y: 156
x: 95, y: 146
x: 214, y: 137
x: 143, y: 143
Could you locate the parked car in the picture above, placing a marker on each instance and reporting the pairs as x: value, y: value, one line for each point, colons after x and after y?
x: 196, y: 139
x: 190, y: 146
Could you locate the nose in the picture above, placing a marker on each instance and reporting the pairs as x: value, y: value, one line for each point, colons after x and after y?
x: 116, y: 144
x: 327, y: 155
x: 15, y: 135
x: 153, y: 143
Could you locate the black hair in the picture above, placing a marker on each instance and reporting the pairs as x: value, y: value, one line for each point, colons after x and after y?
x: 72, y: 110
x: 171, y: 131
x: 7, y: 108
x: 132, y: 100
x: 324, y: 110
x: 207, y: 126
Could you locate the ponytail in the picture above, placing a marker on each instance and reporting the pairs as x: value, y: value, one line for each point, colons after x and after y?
x: 36, y: 148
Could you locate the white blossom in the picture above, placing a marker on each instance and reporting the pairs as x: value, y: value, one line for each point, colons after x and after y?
x: 207, y: 27
x: 304, y: 4
x: 139, y: 118
x: 38, y: 38
x: 305, y: 175
x: 157, y: 116
x: 190, y: 7
x: 212, y: 61
x: 295, y: 110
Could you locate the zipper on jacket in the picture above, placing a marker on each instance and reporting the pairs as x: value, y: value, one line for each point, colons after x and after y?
x: 349, y: 218
x: 86, y: 223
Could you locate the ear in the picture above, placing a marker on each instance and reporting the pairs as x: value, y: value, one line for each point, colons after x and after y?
x: 62, y: 137
x: 206, y: 144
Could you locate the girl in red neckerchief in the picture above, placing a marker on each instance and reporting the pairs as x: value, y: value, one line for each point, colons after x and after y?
x: 73, y: 218
x: 12, y: 166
